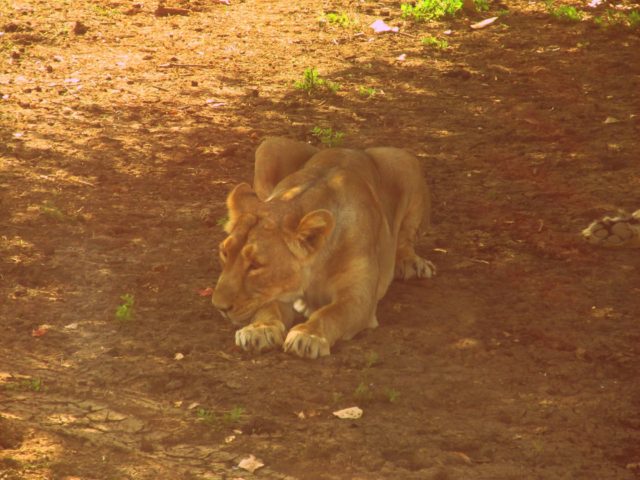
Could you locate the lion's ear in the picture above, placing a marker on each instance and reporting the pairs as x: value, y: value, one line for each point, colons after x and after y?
x: 242, y: 199
x: 312, y: 231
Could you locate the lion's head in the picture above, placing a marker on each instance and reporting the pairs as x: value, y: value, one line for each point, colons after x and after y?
x: 267, y: 253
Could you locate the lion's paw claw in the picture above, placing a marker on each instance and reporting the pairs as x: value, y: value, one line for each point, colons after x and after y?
x: 621, y: 231
x: 260, y: 337
x: 306, y: 345
x: 416, y: 267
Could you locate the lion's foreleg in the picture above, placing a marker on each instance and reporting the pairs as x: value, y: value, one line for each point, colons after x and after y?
x: 340, y: 320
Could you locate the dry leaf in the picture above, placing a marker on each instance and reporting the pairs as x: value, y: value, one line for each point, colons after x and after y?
x: 351, y: 413
x: 379, y: 26
x: 206, y: 292
x: 178, y: 356
x: 467, y: 343
x: 250, y: 464
x: 484, y: 23
x: 610, y: 120
x: 40, y: 331
x: 462, y: 456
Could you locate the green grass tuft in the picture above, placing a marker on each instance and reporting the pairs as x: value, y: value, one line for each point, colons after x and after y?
x: 424, y: 10
x: 435, y: 43
x: 328, y: 136
x: 312, y: 82
x: 124, y: 312
x: 564, y: 13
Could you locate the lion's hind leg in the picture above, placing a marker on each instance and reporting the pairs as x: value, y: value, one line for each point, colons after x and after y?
x: 277, y: 158
x: 408, y: 263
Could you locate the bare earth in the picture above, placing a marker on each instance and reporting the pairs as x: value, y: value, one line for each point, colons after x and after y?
x: 119, y: 140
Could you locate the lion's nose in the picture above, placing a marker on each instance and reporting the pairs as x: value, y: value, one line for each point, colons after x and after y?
x: 220, y: 304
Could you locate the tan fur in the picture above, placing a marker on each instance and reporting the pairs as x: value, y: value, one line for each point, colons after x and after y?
x: 326, y: 230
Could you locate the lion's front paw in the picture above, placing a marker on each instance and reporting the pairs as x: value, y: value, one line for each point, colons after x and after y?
x: 306, y: 345
x: 414, y: 267
x: 260, y: 336
x: 620, y: 231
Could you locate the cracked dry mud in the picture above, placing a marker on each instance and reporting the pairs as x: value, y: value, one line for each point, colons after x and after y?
x: 120, y: 136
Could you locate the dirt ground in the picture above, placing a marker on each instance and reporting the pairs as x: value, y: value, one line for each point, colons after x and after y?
x: 120, y: 137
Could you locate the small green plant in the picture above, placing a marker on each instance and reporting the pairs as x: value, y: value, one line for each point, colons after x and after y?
x: 371, y: 359
x: 481, y: 5
x: 34, y: 384
x: 612, y: 18
x: 234, y: 415
x: 424, y: 10
x: 312, y: 82
x: 105, y: 11
x: 367, y: 91
x: 362, y: 393
x: 28, y: 384
x: 564, y: 13
x: 328, y: 136
x: 7, y: 46
x: 210, y: 417
x: 206, y: 416
x: 124, y: 312
x: 49, y: 210
x: 435, y: 43
x: 392, y: 395
x: 341, y: 19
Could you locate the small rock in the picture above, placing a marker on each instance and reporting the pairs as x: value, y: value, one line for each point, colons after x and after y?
x: 80, y: 28
x: 130, y: 425
x: 11, y: 27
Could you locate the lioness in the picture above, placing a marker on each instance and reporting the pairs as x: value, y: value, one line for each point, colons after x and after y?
x: 322, y: 232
